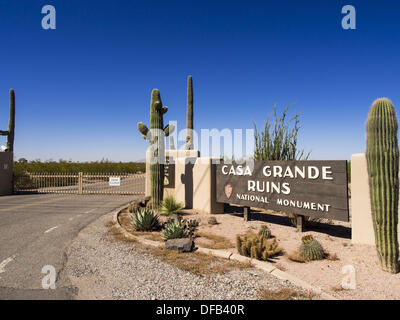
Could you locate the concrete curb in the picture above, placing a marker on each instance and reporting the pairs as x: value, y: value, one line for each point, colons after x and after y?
x: 262, y: 265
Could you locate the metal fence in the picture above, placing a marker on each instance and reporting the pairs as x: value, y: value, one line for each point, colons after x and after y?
x: 81, y: 183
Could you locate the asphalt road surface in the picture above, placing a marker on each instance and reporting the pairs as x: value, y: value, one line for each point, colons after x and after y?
x: 35, y: 230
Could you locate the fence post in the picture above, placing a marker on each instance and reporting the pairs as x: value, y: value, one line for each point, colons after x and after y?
x: 80, y: 183
x: 300, y: 223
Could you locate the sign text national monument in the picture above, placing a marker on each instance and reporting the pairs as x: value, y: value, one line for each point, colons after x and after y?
x: 309, y: 188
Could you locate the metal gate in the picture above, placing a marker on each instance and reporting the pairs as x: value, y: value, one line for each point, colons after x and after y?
x: 81, y: 183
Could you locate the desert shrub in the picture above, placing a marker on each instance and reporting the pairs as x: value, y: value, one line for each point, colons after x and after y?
x: 174, y: 229
x: 281, y: 142
x: 170, y: 206
x: 257, y: 247
x: 311, y: 249
x: 212, y: 221
x: 265, y: 232
x: 145, y: 220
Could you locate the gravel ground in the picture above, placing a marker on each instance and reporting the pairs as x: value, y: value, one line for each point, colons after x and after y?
x: 105, y: 269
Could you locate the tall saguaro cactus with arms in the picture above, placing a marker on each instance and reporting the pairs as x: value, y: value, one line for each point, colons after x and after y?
x: 189, y: 115
x: 156, y: 136
x: 11, y: 124
x: 383, y: 173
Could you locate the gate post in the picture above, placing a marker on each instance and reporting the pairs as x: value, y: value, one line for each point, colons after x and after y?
x: 80, y: 183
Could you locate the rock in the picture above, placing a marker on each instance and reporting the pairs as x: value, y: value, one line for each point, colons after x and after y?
x: 182, y: 245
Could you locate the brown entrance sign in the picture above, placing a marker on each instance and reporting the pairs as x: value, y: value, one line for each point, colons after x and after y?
x: 310, y: 188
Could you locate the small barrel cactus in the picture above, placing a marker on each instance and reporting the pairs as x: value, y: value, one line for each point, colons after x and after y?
x: 212, y: 221
x: 265, y: 232
x: 311, y: 249
x: 383, y: 172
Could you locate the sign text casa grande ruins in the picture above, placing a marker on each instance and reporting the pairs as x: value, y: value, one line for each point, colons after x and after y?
x: 310, y: 188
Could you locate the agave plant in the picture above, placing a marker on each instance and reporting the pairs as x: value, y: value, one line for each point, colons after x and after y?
x: 174, y: 230
x: 145, y: 220
x: 170, y: 206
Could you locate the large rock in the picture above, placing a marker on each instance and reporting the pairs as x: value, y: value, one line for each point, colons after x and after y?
x: 182, y: 245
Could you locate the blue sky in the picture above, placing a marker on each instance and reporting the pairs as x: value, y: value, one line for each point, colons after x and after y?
x: 82, y: 88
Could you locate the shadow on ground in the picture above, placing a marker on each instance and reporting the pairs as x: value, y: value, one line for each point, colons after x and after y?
x: 338, y: 231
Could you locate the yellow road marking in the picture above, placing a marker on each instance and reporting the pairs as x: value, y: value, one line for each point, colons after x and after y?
x: 33, y: 204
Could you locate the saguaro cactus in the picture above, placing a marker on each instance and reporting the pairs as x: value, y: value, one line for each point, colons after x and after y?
x: 156, y: 135
x: 383, y: 172
x: 11, y: 124
x: 189, y: 115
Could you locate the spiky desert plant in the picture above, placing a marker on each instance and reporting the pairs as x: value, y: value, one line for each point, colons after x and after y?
x: 191, y: 223
x: 383, y: 171
x: 212, y: 221
x: 265, y: 232
x: 11, y: 124
x: 257, y: 247
x: 311, y: 249
x: 174, y: 229
x: 170, y: 206
x: 189, y: 115
x: 145, y: 220
x: 156, y: 136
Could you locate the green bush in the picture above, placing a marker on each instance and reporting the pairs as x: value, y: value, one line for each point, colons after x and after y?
x: 145, y: 220
x: 170, y: 206
x: 174, y: 229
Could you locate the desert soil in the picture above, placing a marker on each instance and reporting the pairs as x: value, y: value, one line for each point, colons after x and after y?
x: 102, y: 267
x: 371, y: 281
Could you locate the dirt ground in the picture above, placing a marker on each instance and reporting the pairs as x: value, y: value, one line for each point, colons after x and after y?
x: 371, y: 281
x: 335, y: 237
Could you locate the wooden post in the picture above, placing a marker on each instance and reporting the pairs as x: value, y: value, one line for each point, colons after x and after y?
x: 300, y: 223
x: 80, y: 183
x: 247, y: 214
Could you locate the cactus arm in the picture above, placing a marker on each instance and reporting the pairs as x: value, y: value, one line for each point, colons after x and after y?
x: 164, y: 110
x: 143, y: 130
x: 3, y: 133
x: 169, y: 129
x: 171, y: 142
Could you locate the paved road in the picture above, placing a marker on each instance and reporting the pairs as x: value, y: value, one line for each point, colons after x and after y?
x: 35, y: 231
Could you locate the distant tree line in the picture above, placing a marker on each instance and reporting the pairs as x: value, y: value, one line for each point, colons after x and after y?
x: 63, y: 166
